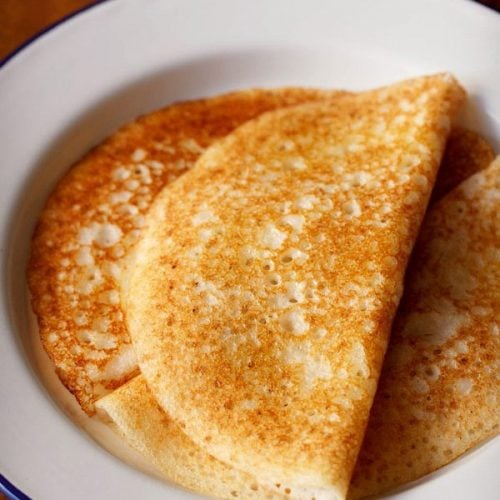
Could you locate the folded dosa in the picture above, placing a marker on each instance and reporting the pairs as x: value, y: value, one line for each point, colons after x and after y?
x: 439, y: 394
x: 73, y: 280
x: 94, y: 216
x: 262, y: 292
x: 146, y: 427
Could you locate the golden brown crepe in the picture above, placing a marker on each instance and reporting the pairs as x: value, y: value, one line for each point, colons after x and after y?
x: 146, y: 427
x: 439, y: 394
x: 73, y: 286
x: 260, y: 312
x: 465, y: 154
x: 94, y: 216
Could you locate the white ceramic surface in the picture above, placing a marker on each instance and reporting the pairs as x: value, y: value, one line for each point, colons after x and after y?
x: 75, y: 84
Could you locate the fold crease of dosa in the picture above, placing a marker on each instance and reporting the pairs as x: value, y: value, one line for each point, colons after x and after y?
x: 264, y: 336
x: 147, y: 428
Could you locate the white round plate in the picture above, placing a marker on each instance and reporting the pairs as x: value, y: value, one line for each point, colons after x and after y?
x: 75, y: 84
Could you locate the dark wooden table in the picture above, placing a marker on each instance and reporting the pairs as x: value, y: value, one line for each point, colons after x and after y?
x: 21, y: 19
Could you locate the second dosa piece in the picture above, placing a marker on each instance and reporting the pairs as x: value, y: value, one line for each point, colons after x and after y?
x: 439, y: 394
x: 261, y: 296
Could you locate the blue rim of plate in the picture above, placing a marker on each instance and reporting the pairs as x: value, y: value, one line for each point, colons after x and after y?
x: 50, y: 27
x: 6, y: 487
